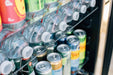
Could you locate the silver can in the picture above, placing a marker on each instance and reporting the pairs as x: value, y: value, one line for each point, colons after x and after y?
x: 65, y: 52
x: 40, y: 52
x: 43, y: 68
x: 56, y: 63
x: 50, y: 46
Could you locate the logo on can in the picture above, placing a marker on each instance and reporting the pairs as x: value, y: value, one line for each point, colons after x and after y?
x: 12, y: 11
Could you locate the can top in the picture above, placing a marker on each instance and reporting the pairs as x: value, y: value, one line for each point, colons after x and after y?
x: 50, y: 43
x: 39, y: 50
x: 73, y: 39
x: 43, y: 66
x: 59, y: 34
x: 79, y: 33
x: 63, y: 48
x: 53, y: 57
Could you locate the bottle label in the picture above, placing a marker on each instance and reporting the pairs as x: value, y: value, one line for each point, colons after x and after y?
x: 30, y: 68
x: 63, y: 2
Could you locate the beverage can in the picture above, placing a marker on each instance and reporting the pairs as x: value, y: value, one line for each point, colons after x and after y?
x: 50, y: 46
x: 56, y: 63
x: 14, y: 9
x: 65, y: 52
x: 0, y: 23
x: 41, y: 52
x: 82, y: 37
x: 74, y: 44
x: 43, y: 68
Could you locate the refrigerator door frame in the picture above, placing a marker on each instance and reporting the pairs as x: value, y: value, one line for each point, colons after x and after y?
x: 109, y: 47
x: 106, y: 11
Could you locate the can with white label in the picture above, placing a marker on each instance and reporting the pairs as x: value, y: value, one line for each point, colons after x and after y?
x: 65, y: 52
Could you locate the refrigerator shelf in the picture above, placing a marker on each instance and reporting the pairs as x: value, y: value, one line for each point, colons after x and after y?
x: 74, y: 25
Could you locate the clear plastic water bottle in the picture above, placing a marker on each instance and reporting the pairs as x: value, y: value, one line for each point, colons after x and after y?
x: 89, y: 3
x: 53, y: 22
x: 16, y: 48
x: 36, y: 33
x: 79, y: 7
x: 6, y: 66
x: 67, y: 12
x: 50, y: 5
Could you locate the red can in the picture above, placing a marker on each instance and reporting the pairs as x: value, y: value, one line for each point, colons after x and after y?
x: 12, y: 11
x: 0, y: 24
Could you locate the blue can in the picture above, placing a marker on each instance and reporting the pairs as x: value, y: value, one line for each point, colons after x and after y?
x: 74, y: 44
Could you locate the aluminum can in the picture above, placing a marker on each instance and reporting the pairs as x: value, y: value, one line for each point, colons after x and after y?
x: 82, y: 37
x: 65, y: 52
x: 74, y: 44
x: 50, y: 46
x: 40, y: 52
x: 56, y: 63
x: 12, y: 11
x: 0, y: 23
x: 43, y: 68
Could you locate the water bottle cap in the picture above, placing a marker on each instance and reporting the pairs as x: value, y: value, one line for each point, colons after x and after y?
x: 92, y: 3
x: 27, y: 52
x: 83, y: 9
x: 46, y: 37
x: 62, y: 26
x: 6, y: 67
x: 76, y: 16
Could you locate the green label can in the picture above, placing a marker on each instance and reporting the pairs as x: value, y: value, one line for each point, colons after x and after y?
x: 34, y: 5
x: 65, y: 52
x: 82, y: 37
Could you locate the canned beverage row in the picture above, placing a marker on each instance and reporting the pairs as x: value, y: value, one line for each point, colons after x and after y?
x: 18, y: 51
x: 14, y: 13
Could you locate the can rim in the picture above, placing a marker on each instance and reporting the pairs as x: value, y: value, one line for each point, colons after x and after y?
x: 47, y: 70
x: 63, y: 45
x: 51, y: 54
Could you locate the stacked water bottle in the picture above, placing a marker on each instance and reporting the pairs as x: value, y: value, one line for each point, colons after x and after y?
x: 60, y: 57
